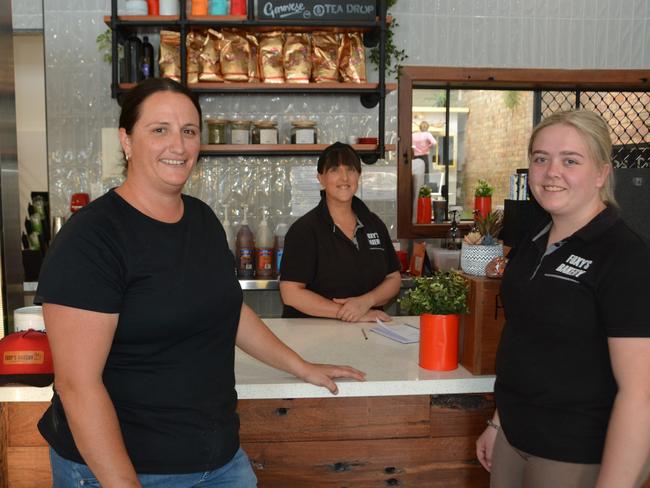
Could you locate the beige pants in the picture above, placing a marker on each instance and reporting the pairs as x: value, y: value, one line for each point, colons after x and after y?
x: 512, y: 468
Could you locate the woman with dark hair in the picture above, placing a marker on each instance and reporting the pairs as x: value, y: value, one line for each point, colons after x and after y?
x: 572, y: 390
x: 339, y: 261
x: 143, y: 312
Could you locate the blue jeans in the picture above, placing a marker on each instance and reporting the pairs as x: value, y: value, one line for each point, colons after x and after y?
x: 238, y: 473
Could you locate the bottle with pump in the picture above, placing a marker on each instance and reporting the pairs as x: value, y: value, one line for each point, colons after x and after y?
x: 264, y: 249
x: 147, y: 66
x: 245, y: 249
x: 278, y: 245
x: 228, y: 230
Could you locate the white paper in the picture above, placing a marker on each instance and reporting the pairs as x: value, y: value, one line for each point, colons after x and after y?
x: 402, y: 333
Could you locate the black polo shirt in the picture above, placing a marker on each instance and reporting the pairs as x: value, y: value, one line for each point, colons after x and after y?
x: 555, y: 387
x: 318, y: 254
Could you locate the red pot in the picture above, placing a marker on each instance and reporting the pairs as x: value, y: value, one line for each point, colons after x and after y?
x: 438, y: 342
x: 483, y: 205
x: 424, y: 210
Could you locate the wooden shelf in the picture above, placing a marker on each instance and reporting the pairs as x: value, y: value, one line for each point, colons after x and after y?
x: 240, y: 20
x: 278, y: 149
x: 212, y: 87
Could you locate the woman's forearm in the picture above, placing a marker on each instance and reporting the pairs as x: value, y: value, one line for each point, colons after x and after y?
x: 96, y: 432
x: 308, y: 302
x: 257, y: 340
x: 627, y: 447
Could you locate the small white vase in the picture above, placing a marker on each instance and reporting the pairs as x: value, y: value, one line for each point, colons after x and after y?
x: 474, y: 258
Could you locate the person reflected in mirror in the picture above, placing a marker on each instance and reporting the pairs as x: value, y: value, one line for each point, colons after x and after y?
x: 572, y: 390
x: 422, y: 142
x: 339, y: 261
x: 143, y: 311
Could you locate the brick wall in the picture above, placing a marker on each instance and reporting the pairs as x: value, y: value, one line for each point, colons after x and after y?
x: 496, y: 140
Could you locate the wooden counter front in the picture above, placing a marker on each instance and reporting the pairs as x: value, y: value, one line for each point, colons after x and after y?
x: 419, y: 440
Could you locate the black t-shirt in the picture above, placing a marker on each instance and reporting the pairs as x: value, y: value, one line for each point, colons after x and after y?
x: 170, y: 370
x: 318, y: 254
x: 555, y: 387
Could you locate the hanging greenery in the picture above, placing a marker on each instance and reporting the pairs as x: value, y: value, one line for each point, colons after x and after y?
x: 104, y: 45
x: 394, y: 57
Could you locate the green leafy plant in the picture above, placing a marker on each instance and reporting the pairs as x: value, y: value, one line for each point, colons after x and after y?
x: 395, y: 58
x: 483, y: 189
x: 424, y: 191
x: 104, y: 44
x: 444, y: 293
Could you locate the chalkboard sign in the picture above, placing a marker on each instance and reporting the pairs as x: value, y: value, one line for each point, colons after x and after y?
x: 279, y: 10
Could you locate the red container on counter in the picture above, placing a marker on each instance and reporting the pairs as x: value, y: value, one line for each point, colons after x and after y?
x: 78, y: 200
x: 403, y: 258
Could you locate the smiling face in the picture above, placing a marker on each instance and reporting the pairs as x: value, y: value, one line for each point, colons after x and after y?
x: 563, y: 174
x: 340, y: 183
x: 164, y: 144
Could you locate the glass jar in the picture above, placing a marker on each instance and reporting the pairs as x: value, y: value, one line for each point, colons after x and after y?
x: 303, y: 132
x: 265, y: 132
x: 217, y: 131
x: 240, y: 132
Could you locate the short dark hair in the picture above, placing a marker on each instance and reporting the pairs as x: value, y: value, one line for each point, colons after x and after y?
x: 338, y: 154
x: 132, y: 101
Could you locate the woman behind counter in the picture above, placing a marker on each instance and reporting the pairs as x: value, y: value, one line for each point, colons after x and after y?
x: 572, y: 389
x: 339, y: 261
x: 143, y: 310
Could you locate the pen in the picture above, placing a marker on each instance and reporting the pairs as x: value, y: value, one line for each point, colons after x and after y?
x: 363, y: 331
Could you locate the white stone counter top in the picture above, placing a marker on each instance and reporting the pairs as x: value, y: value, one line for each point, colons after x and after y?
x: 391, y: 368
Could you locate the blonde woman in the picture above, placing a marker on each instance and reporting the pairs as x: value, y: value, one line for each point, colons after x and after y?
x: 572, y: 389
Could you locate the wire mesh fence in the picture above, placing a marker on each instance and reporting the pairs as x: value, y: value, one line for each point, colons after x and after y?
x: 627, y: 113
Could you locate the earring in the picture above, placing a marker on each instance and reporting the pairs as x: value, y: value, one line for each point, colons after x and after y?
x: 128, y: 157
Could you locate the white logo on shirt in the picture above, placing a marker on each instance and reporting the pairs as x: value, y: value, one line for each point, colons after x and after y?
x: 373, y: 238
x: 574, y: 266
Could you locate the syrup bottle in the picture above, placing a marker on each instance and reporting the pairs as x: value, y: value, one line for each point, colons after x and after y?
x: 264, y: 249
x: 245, y: 249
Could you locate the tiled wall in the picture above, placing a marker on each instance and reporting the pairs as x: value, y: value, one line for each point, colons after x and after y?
x: 27, y: 15
x: 526, y: 33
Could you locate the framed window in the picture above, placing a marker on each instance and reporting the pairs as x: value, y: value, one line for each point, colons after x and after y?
x: 481, y: 119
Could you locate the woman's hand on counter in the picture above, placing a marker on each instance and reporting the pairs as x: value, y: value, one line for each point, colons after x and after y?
x: 353, y: 308
x: 325, y: 374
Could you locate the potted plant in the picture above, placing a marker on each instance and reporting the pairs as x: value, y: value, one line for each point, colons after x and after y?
x: 482, y: 246
x: 438, y: 300
x: 483, y: 198
x: 424, y: 206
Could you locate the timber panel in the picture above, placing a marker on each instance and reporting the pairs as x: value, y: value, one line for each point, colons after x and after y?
x: 334, y: 418
x: 430, y: 462
x: 22, y: 420
x: 29, y: 467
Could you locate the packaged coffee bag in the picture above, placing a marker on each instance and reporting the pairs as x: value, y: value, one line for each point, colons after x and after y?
x: 271, y: 64
x: 353, y: 58
x: 253, y: 60
x: 326, y: 54
x: 170, y: 55
x: 210, y: 67
x: 297, y: 58
x: 194, y: 41
x: 234, y: 55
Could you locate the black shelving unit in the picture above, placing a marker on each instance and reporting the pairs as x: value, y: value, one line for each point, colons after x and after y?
x: 371, y: 95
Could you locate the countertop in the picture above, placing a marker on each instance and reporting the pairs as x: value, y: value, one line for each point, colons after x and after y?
x: 391, y: 368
